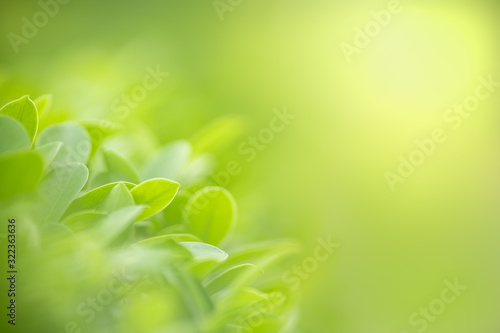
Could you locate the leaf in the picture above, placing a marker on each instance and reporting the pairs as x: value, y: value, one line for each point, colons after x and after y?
x: 117, y: 198
x: 91, y: 199
x: 206, y: 256
x: 203, y: 251
x: 193, y: 293
x: 255, y: 253
x: 83, y: 220
x: 13, y: 136
x: 119, y: 164
x: 43, y: 105
x: 156, y: 194
x: 48, y: 153
x: 76, y: 142
x: 159, y: 240
x: 169, y: 161
x: 98, y: 131
x: 104, y: 178
x: 59, y: 188
x: 116, y: 223
x: 24, y: 111
x: 224, y: 279
x: 210, y: 214
x: 173, y: 229
x: 173, y: 251
x: 19, y: 173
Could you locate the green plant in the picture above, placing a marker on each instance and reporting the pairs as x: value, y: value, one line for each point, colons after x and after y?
x: 111, y: 245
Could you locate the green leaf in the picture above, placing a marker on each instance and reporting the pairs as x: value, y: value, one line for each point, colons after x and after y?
x: 169, y: 161
x: 98, y: 131
x: 117, y: 223
x: 224, y: 279
x: 156, y: 194
x: 43, y: 105
x: 210, y: 214
x: 24, y: 111
x: 159, y: 240
x: 173, y: 229
x: 59, y: 188
x: 19, y: 173
x: 256, y: 253
x: 91, y: 199
x: 173, y: 250
x: 83, y: 220
x: 117, y: 198
x: 76, y: 142
x: 203, y: 251
x: 120, y: 165
x: 193, y: 293
x: 48, y: 153
x: 13, y: 136
x: 104, y: 178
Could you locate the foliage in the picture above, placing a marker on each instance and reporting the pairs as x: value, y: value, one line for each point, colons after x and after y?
x: 90, y: 218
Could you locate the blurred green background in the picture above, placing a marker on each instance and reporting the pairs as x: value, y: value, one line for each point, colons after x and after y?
x: 324, y: 174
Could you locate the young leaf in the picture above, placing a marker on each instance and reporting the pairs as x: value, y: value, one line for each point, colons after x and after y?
x: 59, y: 188
x: 48, y: 153
x: 172, y: 251
x: 156, y: 194
x: 19, y: 173
x: 98, y: 131
x: 83, y: 220
x: 159, y: 240
x: 117, y: 198
x: 106, y: 177
x: 203, y: 251
x: 91, y: 199
x: 225, y: 278
x: 255, y: 253
x: 24, y: 111
x: 169, y: 161
x: 173, y: 229
x: 76, y: 142
x: 195, y: 296
x: 116, y: 223
x: 119, y: 164
x: 13, y: 136
x: 210, y: 214
x: 43, y: 105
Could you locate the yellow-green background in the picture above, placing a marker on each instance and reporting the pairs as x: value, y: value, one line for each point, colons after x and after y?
x: 325, y: 173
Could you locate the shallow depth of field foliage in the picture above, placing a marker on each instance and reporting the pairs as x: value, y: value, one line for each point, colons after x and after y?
x: 107, y: 243
x: 111, y: 186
